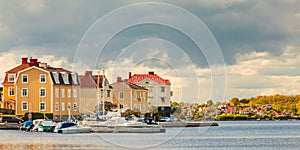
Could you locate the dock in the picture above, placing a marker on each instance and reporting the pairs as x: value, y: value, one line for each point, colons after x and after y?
x: 187, y: 124
x: 9, y: 126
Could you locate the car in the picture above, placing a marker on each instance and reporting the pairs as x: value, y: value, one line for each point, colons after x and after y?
x: 164, y: 119
x: 7, y: 119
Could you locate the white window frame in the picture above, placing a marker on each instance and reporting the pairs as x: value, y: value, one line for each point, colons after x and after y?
x: 75, y: 93
x: 134, y: 95
x: 62, y: 93
x: 11, y: 91
x: 56, y: 77
x: 56, y: 92
x: 162, y: 89
x: 163, y: 99
x: 23, y: 106
x: 41, y: 106
x: 62, y: 106
x: 108, y: 93
x: 22, y: 90
x: 24, y: 75
x: 69, y: 93
x: 41, y: 77
x: 56, y: 106
x: 41, y: 92
x: 121, y: 93
x: 74, y: 78
x: 9, y: 77
x: 75, y: 106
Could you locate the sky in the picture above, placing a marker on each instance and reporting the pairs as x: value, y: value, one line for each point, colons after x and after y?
x: 207, y: 49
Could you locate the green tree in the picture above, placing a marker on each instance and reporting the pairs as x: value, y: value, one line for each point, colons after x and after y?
x: 234, y: 102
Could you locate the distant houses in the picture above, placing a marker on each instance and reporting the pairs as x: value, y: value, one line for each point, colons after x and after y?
x: 35, y: 86
x: 130, y: 96
x: 159, y: 89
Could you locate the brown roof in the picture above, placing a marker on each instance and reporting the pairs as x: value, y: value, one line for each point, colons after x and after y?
x: 127, y: 84
x: 90, y: 81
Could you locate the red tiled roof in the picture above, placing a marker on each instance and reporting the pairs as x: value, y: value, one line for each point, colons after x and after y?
x: 139, y: 77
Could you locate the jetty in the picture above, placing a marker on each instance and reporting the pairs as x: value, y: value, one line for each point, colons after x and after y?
x: 187, y: 124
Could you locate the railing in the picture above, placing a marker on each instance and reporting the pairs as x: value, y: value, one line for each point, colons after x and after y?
x: 7, y: 111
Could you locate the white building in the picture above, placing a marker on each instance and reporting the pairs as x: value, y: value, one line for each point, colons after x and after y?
x: 159, y: 89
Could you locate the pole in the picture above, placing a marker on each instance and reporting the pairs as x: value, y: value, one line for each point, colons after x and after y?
x: 98, y: 93
x: 103, y: 78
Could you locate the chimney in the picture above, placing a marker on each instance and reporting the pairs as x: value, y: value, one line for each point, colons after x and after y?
x: 151, y: 72
x: 43, y: 65
x: 119, y: 79
x: 33, y: 62
x: 129, y: 75
x: 88, y: 73
x: 24, y: 60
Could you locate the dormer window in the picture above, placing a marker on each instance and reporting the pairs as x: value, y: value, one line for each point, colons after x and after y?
x: 11, y: 78
x: 75, y: 78
x: 65, y: 77
x: 55, y: 76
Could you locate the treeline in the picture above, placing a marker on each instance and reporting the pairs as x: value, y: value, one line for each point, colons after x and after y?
x: 282, y: 103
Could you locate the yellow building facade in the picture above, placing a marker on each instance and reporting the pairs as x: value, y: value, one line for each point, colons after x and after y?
x: 45, y: 89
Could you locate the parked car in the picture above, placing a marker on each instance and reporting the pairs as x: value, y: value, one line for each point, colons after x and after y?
x: 7, y: 119
x: 164, y: 119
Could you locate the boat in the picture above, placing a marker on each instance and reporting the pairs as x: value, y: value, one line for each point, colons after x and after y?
x: 46, y: 126
x: 27, y: 125
x: 71, y: 127
x: 120, y: 125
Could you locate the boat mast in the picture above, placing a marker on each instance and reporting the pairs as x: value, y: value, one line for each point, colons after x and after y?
x: 98, y: 92
x: 103, y: 81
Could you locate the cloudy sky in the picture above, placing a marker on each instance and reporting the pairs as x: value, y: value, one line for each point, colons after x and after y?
x: 208, y: 49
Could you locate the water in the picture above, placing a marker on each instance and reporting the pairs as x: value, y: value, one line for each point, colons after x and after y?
x: 228, y: 135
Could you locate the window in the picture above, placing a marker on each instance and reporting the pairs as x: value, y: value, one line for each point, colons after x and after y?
x: 121, y: 106
x: 24, y: 92
x: 55, y: 75
x: 11, y: 78
x: 144, y: 106
x: 134, y: 106
x: 24, y: 105
x: 11, y: 91
x: 162, y: 89
x: 74, y: 78
x: 42, y: 78
x: 42, y: 106
x: 42, y: 92
x: 139, y: 95
x: 144, y: 94
x: 162, y: 99
x: 62, y: 93
x: 75, y: 106
x: 121, y: 95
x: 69, y: 93
x: 62, y: 106
x: 56, y: 106
x: 65, y: 77
x: 56, y: 93
x: 74, y: 93
x: 108, y: 93
x: 24, y: 78
x: 134, y: 95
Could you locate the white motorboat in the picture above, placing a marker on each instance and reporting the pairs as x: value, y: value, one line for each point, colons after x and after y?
x: 70, y: 127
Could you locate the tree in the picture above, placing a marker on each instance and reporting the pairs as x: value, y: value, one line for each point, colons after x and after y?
x: 234, y: 102
x: 209, y: 103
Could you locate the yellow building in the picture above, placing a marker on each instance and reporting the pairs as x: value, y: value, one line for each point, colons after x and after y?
x: 130, y: 96
x: 90, y: 98
x: 42, y: 88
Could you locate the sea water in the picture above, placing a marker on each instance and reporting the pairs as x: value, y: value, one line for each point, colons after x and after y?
x: 228, y: 135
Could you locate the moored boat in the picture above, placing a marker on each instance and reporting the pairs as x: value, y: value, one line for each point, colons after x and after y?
x: 71, y: 127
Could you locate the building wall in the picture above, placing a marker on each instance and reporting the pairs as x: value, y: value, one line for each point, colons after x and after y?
x: 126, y: 101
x: 71, y: 99
x: 33, y: 85
x: 140, y: 103
x: 155, y: 94
x: 89, y: 98
x: 6, y: 96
